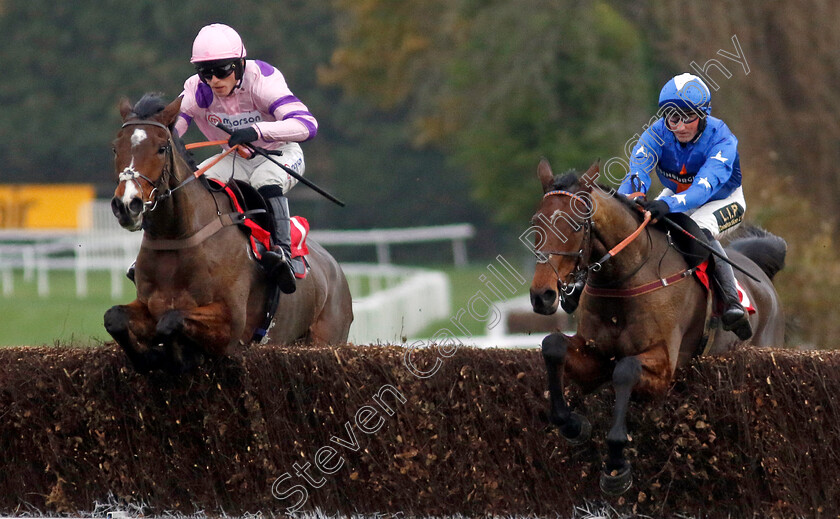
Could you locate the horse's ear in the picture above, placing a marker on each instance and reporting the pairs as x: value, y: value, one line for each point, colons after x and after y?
x: 125, y: 108
x: 589, y: 178
x: 545, y: 175
x: 170, y: 113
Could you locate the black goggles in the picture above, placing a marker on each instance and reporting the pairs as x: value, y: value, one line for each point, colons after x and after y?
x: 220, y: 71
x: 675, y: 118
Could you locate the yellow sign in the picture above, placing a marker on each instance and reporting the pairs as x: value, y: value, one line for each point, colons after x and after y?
x: 43, y: 206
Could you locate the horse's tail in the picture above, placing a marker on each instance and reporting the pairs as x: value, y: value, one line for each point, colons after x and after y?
x: 764, y: 248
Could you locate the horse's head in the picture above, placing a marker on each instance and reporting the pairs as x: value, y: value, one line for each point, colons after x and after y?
x: 143, y: 157
x: 562, y: 226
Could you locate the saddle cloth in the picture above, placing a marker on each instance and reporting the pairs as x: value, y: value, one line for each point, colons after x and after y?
x: 260, y: 238
x: 703, y: 277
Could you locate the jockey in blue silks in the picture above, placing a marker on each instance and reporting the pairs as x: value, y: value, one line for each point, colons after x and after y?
x: 696, y: 158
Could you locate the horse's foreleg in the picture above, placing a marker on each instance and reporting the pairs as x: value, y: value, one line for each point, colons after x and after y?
x: 564, y: 355
x: 208, y: 327
x: 130, y: 325
x: 649, y: 373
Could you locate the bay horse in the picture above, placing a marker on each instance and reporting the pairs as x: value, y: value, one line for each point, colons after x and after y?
x: 642, y: 313
x: 200, y: 292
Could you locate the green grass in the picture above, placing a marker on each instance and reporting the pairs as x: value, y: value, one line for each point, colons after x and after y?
x: 466, y: 283
x: 61, y: 317
x: 29, y: 319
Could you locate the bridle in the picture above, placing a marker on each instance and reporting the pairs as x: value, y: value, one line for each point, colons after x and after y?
x: 158, y: 194
x: 582, y: 268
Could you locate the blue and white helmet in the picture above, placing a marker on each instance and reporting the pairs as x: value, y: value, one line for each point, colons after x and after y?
x: 686, y: 92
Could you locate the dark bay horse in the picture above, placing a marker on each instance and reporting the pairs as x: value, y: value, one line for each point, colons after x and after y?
x: 633, y: 328
x: 199, y: 290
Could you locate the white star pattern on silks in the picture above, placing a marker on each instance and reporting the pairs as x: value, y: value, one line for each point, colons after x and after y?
x: 680, y: 199
x: 704, y: 182
x: 641, y: 151
x: 720, y: 157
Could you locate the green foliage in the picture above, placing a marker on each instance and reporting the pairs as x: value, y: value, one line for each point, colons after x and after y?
x: 498, y: 84
x: 68, y: 65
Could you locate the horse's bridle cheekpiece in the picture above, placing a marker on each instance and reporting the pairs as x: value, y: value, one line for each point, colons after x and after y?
x: 130, y: 174
x: 580, y: 271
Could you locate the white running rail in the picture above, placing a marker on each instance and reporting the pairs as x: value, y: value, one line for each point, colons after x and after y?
x: 397, y: 302
x: 409, y: 301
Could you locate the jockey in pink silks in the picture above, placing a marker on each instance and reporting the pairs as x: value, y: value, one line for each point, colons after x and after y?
x: 251, y: 98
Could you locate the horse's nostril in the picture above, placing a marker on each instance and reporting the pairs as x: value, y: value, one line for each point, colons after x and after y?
x: 135, y: 206
x: 543, y: 300
x: 116, y: 206
x: 548, y: 297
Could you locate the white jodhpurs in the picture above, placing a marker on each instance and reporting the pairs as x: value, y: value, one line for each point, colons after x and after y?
x: 720, y: 217
x: 258, y: 170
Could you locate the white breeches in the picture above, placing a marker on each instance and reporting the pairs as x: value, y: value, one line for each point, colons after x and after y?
x: 259, y: 171
x: 720, y: 217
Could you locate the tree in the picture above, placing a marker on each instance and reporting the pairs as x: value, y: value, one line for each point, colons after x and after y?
x: 498, y: 84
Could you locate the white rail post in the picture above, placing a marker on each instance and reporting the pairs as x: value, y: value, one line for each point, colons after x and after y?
x: 383, y: 253
x: 459, y: 252
x: 8, y: 281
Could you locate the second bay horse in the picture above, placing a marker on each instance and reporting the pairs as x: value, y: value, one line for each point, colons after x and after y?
x: 642, y: 314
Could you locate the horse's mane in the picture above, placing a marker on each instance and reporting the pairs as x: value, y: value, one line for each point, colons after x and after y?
x: 570, y: 181
x: 151, y: 104
x: 185, y: 153
x: 762, y: 247
x: 567, y: 181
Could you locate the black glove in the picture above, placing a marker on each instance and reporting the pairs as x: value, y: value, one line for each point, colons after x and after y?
x: 639, y: 200
x: 242, y: 136
x: 657, y: 209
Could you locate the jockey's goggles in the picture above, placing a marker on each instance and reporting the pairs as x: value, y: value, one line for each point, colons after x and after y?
x: 673, y: 119
x: 206, y: 72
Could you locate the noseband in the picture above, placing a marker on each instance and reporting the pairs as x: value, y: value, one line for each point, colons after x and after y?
x: 580, y: 271
x: 132, y: 175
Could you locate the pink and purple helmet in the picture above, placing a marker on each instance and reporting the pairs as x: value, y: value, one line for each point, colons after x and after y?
x: 217, y: 42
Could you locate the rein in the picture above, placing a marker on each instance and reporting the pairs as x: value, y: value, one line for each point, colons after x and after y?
x: 130, y: 174
x: 581, y: 272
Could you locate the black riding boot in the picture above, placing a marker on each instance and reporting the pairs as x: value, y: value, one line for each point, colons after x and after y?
x: 278, y: 261
x: 734, y: 317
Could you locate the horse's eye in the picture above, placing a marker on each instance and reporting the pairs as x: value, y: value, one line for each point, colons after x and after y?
x: 161, y: 150
x: 114, y: 150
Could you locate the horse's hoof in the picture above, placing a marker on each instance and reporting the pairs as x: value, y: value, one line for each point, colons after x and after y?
x: 169, y: 324
x: 116, y: 322
x: 585, y: 430
x: 554, y: 347
x: 617, y: 482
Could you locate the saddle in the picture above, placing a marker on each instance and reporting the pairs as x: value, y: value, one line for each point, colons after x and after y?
x: 697, y: 258
x: 693, y: 253
x: 258, y: 224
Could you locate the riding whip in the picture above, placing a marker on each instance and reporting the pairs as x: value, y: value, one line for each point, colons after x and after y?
x: 677, y: 227
x: 287, y: 169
